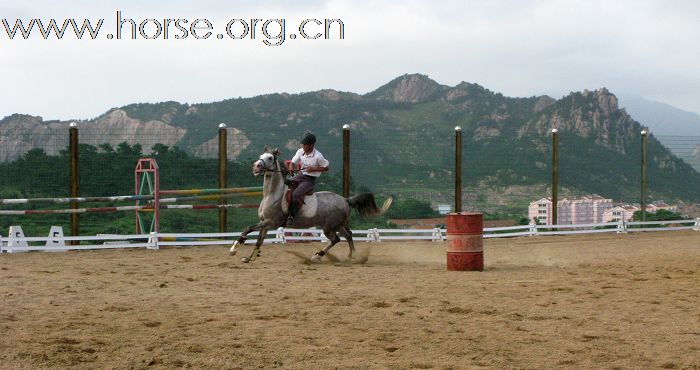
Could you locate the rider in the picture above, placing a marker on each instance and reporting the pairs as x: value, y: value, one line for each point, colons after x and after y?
x: 312, y: 164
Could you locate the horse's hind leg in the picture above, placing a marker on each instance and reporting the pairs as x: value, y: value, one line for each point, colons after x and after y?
x: 333, y: 237
x: 347, y: 234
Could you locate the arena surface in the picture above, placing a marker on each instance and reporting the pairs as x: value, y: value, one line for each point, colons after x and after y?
x: 601, y: 301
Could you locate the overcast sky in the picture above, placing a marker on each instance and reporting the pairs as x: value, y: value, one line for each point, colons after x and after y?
x: 518, y: 48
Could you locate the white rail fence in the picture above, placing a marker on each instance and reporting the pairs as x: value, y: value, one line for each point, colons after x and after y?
x: 56, y: 242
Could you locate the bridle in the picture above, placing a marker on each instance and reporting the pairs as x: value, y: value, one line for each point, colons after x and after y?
x: 275, y: 163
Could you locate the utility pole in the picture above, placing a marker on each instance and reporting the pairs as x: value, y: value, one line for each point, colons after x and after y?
x: 458, y: 169
x: 555, y: 175
x: 346, y: 160
x: 74, y: 189
x: 643, y: 201
x: 223, y: 160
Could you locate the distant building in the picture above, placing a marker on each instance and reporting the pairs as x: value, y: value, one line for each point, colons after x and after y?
x: 620, y: 213
x: 584, y: 210
x: 626, y: 211
x: 661, y: 205
x: 541, y: 211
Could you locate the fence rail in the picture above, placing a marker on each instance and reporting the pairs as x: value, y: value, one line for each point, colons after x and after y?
x: 17, y: 242
x: 501, y: 177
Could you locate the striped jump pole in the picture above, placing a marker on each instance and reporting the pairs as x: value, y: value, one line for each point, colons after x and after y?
x: 255, y: 190
x: 145, y: 208
x: 121, y: 198
x: 118, y: 198
x: 208, y: 197
x: 204, y: 206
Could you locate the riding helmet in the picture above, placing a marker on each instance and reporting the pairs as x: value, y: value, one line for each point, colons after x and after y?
x: 308, y: 139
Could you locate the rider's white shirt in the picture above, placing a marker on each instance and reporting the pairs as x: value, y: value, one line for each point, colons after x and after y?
x: 315, y: 158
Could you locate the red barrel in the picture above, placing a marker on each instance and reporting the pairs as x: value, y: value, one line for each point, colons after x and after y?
x: 465, y: 243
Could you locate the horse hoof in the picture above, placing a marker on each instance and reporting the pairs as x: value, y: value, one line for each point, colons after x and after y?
x: 245, y: 259
x: 316, y: 258
x: 233, y: 249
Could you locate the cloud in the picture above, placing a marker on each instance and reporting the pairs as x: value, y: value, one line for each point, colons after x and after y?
x: 520, y: 48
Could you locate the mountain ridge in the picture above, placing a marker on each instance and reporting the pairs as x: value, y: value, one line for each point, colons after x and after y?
x: 662, y: 118
x: 508, y: 135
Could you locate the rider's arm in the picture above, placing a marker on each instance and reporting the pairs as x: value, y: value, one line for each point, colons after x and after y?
x: 322, y: 164
x: 316, y: 169
x: 297, y: 157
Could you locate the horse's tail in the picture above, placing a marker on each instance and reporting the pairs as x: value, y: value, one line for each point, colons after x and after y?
x: 366, y: 206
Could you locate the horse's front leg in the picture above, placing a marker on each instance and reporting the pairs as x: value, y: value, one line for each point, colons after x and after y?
x: 256, y: 251
x: 244, y: 236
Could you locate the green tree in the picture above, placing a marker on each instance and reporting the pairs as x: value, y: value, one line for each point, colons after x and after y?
x: 411, y: 208
x: 106, y: 148
x: 660, y: 215
x: 159, y: 149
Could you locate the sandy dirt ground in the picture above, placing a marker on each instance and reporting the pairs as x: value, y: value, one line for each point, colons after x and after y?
x: 592, y: 301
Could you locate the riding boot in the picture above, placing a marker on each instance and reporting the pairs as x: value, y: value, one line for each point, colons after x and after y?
x: 293, y: 209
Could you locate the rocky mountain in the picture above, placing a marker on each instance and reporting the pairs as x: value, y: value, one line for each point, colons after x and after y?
x: 409, y: 89
x: 402, y: 137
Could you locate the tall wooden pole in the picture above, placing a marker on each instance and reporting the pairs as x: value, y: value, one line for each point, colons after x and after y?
x: 223, y: 160
x: 555, y: 175
x: 346, y: 160
x: 74, y: 189
x: 643, y: 201
x: 458, y: 169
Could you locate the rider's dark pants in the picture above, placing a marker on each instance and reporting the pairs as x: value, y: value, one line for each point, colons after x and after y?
x: 306, y: 184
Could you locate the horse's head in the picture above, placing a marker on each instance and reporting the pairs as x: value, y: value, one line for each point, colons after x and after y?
x: 266, y: 162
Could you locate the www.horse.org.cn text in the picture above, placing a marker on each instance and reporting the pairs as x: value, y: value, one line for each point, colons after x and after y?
x: 270, y: 31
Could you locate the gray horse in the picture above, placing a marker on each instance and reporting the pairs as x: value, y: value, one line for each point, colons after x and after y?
x: 328, y: 210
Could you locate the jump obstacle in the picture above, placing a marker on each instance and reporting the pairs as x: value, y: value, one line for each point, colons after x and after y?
x: 147, y: 178
x: 121, y: 208
x: 227, y: 193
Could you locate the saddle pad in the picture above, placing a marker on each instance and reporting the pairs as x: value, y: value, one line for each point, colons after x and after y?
x: 288, y: 195
x: 308, y: 209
